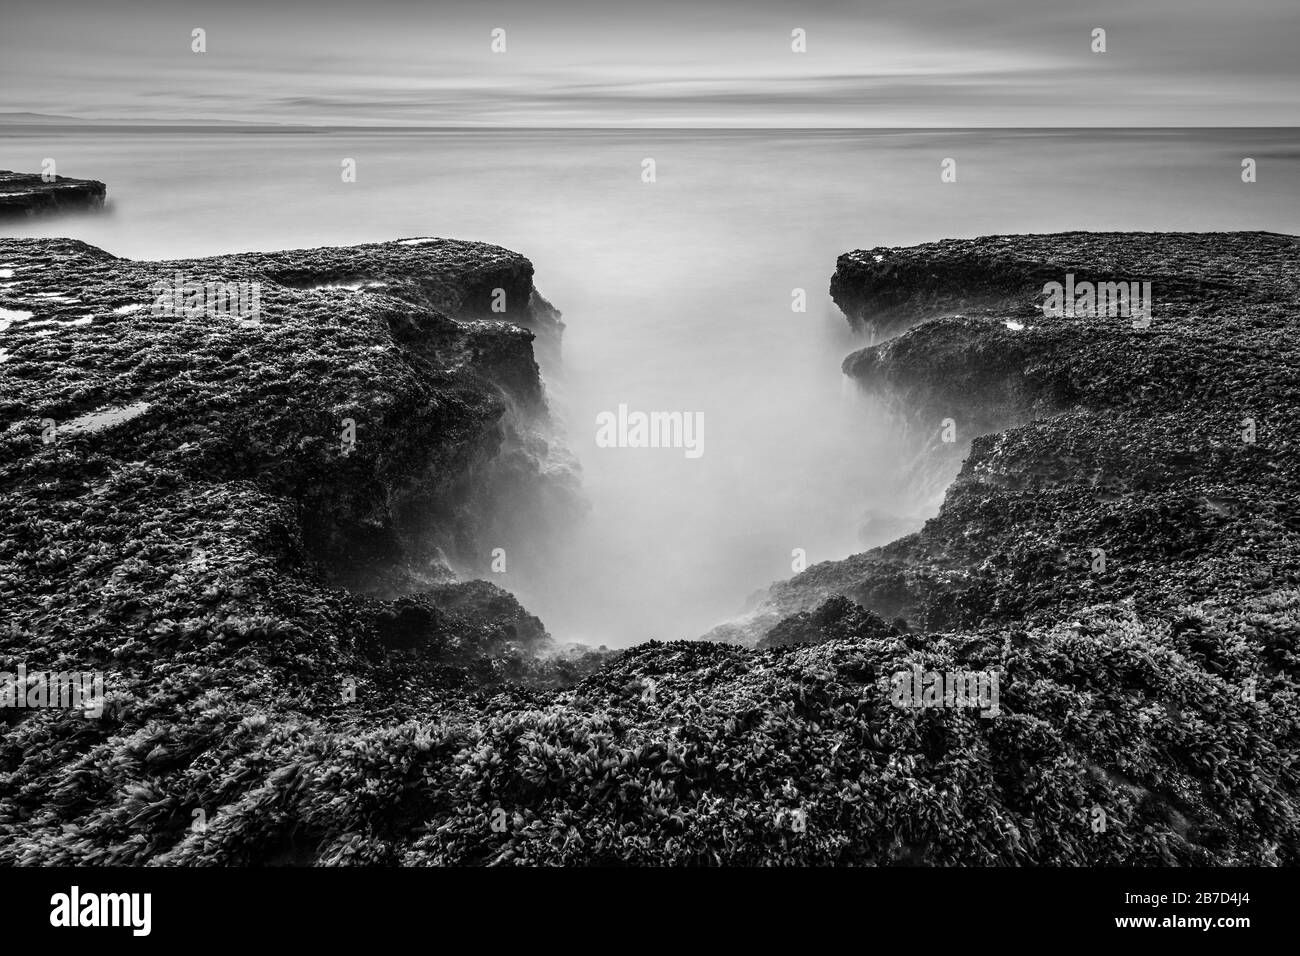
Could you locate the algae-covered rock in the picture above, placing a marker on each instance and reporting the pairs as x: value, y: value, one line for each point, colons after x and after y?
x: 1106, y: 459
x: 209, y: 492
x: 289, y: 665
x: 1124, y: 527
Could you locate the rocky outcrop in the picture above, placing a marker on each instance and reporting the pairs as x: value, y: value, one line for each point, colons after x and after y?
x: 373, y: 388
x: 209, y: 494
x: 182, y: 528
x: 1085, y: 434
x: 28, y: 194
x: 1121, y: 539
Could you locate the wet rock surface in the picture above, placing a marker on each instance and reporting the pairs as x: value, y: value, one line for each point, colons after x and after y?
x: 1147, y: 712
x: 212, y: 504
x: 1122, y: 541
x: 27, y: 194
x: 1171, y: 447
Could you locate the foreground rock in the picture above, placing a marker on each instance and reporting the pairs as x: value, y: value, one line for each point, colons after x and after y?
x: 210, y: 499
x: 1170, y: 448
x: 1121, y: 543
x: 27, y: 194
x: 1147, y: 712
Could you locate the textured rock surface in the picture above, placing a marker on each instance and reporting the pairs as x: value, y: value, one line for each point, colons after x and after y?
x: 176, y: 551
x: 451, y: 427
x: 179, y: 508
x: 1130, y: 440
x: 27, y: 194
x: 1157, y: 679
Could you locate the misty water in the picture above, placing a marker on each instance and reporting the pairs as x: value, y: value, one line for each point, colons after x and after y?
x: 677, y: 297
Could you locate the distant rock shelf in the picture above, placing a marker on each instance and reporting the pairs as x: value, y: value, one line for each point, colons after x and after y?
x: 26, y: 194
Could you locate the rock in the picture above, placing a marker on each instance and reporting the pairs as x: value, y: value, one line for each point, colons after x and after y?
x: 1083, y: 434
x: 204, y: 552
x: 838, y: 617
x: 375, y: 390
x: 228, y: 495
x: 27, y: 194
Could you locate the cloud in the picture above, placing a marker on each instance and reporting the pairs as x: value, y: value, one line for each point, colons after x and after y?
x: 574, y: 62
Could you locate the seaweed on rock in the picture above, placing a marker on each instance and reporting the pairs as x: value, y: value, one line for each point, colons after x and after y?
x: 194, y: 550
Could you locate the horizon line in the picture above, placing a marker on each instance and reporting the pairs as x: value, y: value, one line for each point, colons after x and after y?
x: 235, y: 126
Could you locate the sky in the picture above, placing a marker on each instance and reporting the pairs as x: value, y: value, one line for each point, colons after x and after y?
x: 657, y: 63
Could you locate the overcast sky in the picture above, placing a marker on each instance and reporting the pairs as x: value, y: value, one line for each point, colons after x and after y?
x: 657, y: 62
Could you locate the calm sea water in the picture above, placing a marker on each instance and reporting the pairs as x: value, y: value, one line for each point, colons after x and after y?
x: 677, y: 294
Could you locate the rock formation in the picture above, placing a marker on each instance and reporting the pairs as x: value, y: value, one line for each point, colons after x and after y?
x: 293, y: 677
x: 1170, y: 447
x: 27, y: 194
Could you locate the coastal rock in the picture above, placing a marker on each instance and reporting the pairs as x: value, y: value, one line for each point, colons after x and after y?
x: 27, y: 194
x: 183, y: 529
x: 1083, y: 433
x: 374, y: 389
x: 1121, y: 544
x: 1128, y: 496
x: 211, y: 498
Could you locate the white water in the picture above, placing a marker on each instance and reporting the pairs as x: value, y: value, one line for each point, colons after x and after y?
x: 676, y: 295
